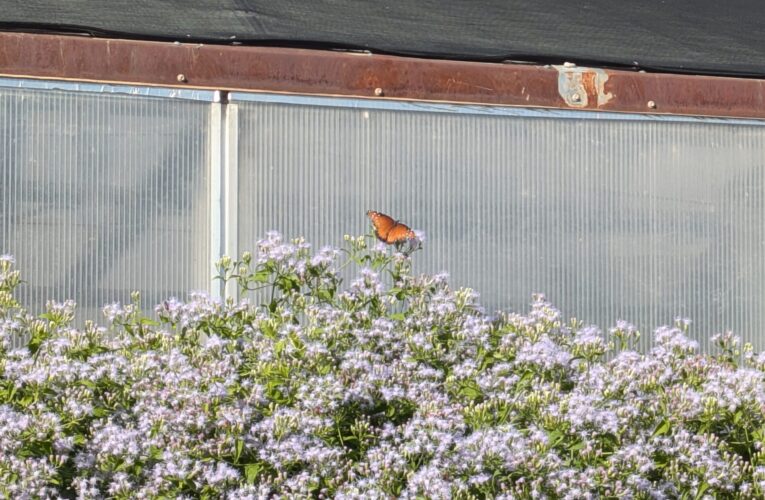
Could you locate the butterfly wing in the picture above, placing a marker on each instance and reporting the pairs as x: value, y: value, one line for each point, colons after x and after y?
x: 399, y: 233
x: 382, y: 224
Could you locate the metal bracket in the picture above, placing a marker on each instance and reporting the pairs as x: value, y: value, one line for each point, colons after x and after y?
x: 578, y: 86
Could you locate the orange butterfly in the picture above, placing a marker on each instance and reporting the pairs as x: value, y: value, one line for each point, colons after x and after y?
x: 388, y: 230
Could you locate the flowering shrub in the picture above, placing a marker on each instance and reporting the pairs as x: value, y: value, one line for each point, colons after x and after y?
x: 392, y: 386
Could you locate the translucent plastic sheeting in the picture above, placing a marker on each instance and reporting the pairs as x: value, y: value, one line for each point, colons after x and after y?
x: 612, y: 217
x: 104, y: 194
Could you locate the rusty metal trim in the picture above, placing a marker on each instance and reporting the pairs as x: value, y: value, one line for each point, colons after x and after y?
x: 316, y: 72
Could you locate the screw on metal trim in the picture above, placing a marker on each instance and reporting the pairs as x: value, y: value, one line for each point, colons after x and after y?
x: 181, y: 77
x: 378, y: 91
x: 576, y: 97
x: 651, y: 104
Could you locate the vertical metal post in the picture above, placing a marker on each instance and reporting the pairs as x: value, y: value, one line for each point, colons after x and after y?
x: 231, y: 190
x: 217, y: 231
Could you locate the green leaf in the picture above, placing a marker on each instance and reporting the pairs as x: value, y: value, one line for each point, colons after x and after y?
x: 554, y: 437
x: 526, y: 377
x: 576, y: 446
x: 261, y: 276
x: 239, y: 449
x: 267, y: 329
x: 251, y: 472
x: 88, y: 383
x: 100, y: 412
x: 702, y: 489
x: 662, y: 428
x: 155, y: 452
x: 279, y: 347
x: 12, y: 392
x: 470, y: 391
x: 738, y: 416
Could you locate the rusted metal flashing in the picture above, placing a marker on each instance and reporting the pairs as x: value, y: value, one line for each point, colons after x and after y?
x: 269, y: 69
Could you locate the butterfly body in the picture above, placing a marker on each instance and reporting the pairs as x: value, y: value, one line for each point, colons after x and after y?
x: 388, y: 230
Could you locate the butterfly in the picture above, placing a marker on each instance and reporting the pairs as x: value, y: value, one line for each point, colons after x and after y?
x: 388, y: 230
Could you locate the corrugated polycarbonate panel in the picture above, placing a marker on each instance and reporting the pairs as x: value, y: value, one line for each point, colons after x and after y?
x: 621, y: 218
x: 104, y: 194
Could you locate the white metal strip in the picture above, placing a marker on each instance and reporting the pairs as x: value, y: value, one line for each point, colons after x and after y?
x: 103, y: 88
x: 231, y: 190
x: 474, y: 109
x: 217, y: 110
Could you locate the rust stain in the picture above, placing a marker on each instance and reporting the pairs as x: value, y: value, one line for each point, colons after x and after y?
x: 468, y: 84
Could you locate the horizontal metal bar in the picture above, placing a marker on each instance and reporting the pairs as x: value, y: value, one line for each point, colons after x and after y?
x: 474, y: 109
x: 101, y: 88
x: 299, y: 71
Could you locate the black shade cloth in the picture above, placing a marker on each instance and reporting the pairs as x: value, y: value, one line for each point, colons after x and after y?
x: 690, y: 36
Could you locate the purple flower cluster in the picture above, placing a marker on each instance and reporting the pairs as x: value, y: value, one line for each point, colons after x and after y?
x: 394, y: 385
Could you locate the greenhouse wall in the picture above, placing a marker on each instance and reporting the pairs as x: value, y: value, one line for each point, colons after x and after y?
x: 612, y: 216
x: 103, y: 191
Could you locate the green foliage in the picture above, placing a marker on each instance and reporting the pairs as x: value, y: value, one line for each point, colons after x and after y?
x: 389, y: 385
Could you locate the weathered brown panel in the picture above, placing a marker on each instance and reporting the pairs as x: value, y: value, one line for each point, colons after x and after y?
x: 301, y: 71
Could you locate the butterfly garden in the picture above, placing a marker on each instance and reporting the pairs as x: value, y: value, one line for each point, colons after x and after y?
x: 391, y: 384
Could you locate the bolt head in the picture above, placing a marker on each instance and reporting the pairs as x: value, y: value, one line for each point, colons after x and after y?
x: 378, y: 91
x: 651, y: 105
x: 181, y: 77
